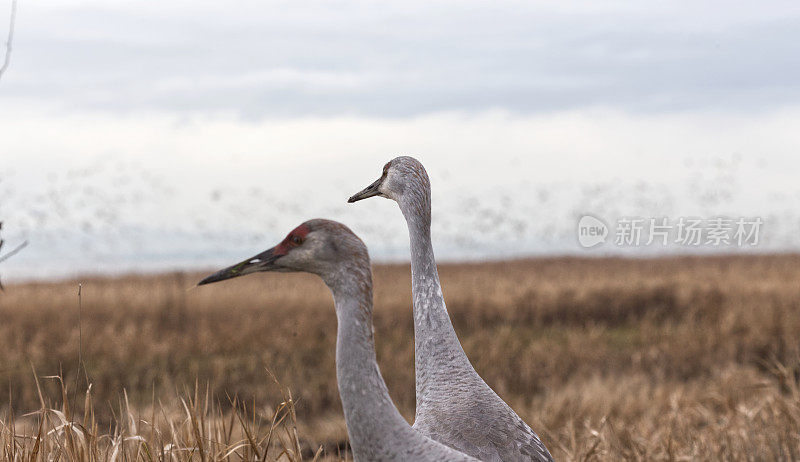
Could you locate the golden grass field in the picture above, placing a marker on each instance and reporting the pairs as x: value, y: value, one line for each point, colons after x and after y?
x: 684, y: 358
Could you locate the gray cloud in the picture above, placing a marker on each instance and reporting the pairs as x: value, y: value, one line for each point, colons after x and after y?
x: 276, y: 59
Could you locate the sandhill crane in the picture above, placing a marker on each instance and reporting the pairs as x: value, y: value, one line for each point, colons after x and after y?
x: 330, y: 250
x: 454, y: 405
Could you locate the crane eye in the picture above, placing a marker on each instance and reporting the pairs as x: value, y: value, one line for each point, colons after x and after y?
x: 297, y: 240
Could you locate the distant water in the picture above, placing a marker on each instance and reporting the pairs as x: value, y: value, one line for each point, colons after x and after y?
x: 464, y: 229
x: 202, y: 194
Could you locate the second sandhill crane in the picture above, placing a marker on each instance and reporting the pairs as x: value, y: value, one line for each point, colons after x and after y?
x: 454, y: 405
x: 330, y: 250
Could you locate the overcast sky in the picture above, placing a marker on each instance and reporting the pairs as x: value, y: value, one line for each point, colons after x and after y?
x: 145, y: 134
x: 397, y: 59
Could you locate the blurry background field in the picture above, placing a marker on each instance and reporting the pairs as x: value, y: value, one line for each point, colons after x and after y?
x: 672, y: 358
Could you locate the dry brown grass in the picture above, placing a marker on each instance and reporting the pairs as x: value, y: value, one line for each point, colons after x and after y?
x: 668, y: 359
x: 201, y: 430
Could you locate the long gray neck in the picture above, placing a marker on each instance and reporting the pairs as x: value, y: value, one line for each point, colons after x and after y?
x: 436, y: 346
x: 372, y: 419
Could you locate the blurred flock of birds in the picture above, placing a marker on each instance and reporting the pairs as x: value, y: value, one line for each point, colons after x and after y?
x: 115, y: 215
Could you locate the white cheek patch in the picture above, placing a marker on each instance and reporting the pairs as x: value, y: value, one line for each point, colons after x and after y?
x: 384, y: 186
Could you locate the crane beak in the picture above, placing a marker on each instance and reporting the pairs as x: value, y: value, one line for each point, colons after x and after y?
x: 369, y: 191
x: 265, y: 261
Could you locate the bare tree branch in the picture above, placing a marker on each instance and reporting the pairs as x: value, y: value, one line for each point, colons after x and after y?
x: 7, y: 59
x: 9, y: 254
x: 13, y: 251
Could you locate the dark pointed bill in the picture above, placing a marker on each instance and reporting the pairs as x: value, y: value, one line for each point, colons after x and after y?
x: 369, y: 191
x: 265, y: 261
